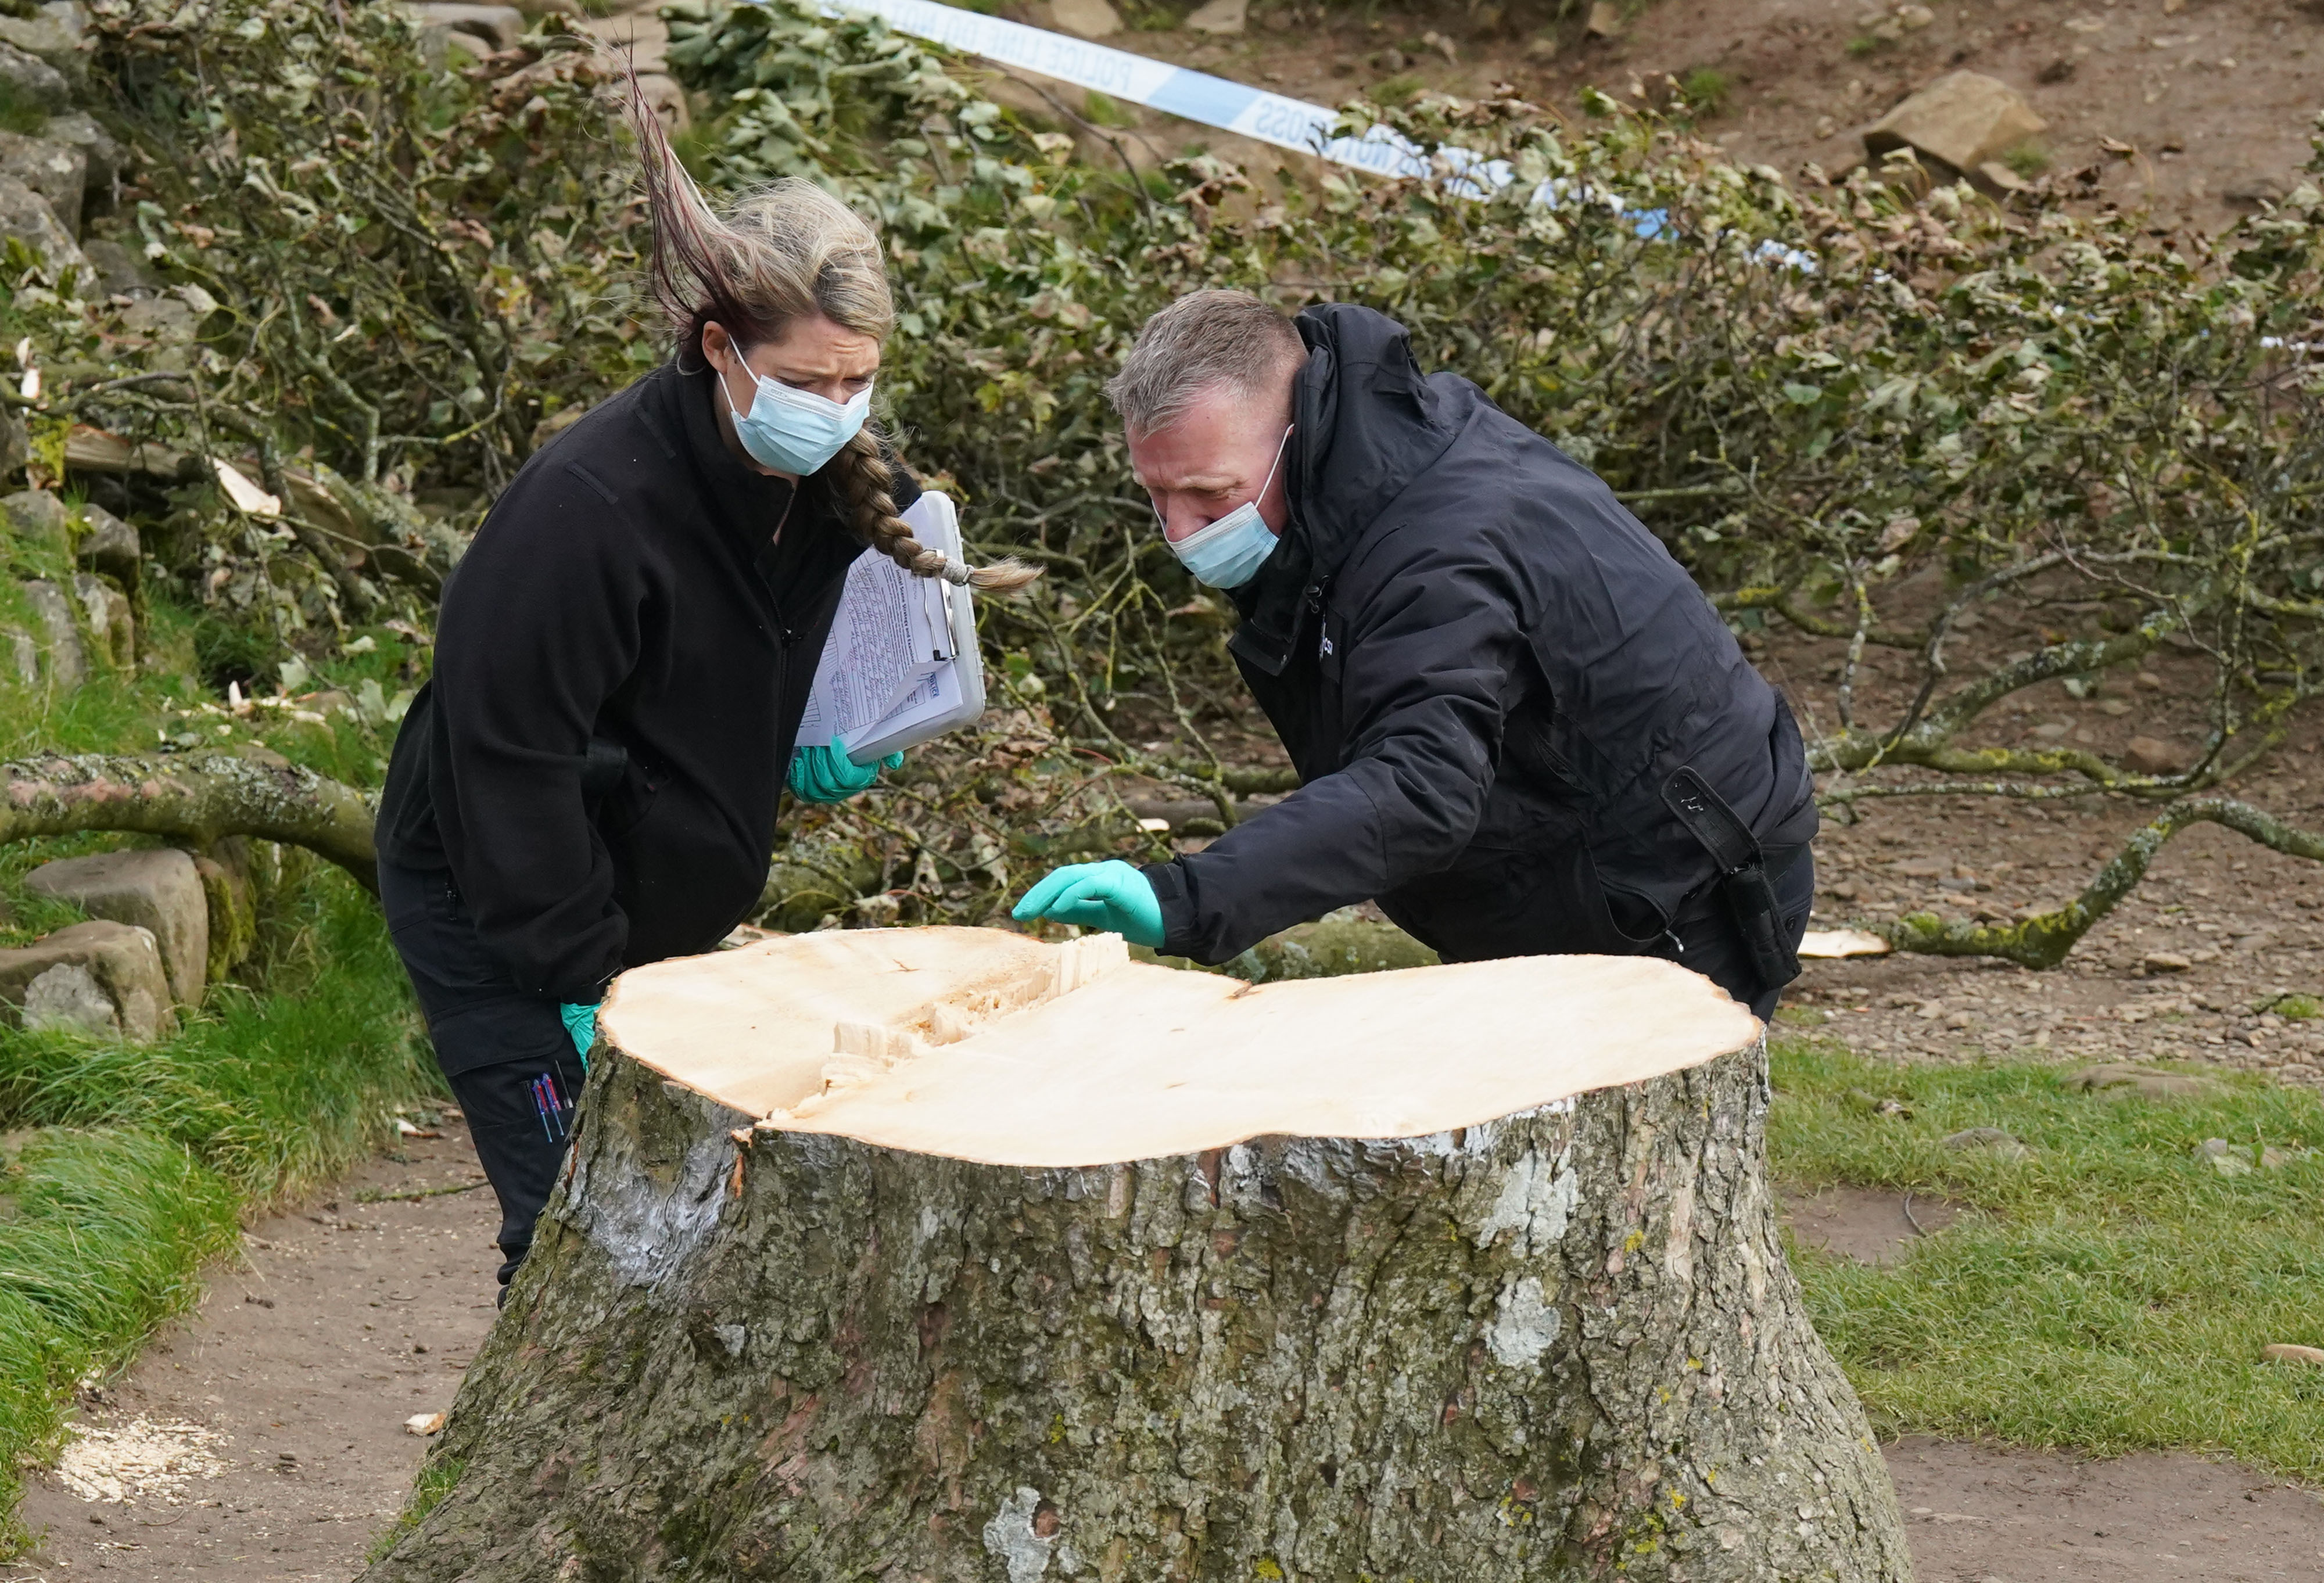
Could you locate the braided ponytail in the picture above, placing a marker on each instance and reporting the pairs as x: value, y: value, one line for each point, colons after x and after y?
x: 869, y: 484
x: 784, y: 251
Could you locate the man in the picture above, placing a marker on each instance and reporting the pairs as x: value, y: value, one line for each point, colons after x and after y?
x: 1520, y: 727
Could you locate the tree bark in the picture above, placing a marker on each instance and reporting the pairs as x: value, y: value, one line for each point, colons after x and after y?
x: 1562, y: 1345
x: 195, y: 797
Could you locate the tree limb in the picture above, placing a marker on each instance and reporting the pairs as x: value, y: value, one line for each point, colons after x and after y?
x: 2042, y: 941
x: 197, y: 798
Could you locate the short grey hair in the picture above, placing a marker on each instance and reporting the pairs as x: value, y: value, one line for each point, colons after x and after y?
x: 1205, y: 341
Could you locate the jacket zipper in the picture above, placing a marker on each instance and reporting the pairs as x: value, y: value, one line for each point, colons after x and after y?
x: 785, y: 636
x: 1315, y: 591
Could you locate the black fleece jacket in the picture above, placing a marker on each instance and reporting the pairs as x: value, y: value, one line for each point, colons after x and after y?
x: 1485, y: 670
x: 628, y: 587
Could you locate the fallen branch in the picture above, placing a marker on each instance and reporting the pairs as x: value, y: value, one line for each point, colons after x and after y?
x: 2044, y: 940
x: 194, y: 797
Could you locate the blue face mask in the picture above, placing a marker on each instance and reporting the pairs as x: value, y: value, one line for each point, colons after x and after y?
x: 795, y: 431
x: 1229, y: 552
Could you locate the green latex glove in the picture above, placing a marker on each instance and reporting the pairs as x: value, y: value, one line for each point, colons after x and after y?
x: 826, y: 775
x: 581, y: 1027
x: 1110, y: 895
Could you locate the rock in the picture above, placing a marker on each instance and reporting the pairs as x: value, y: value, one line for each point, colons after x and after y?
x: 2000, y: 177
x: 640, y: 37
x: 423, y: 1423
x: 109, y: 544
x: 57, y: 171
x: 2286, y: 1352
x: 68, y: 663
x: 1220, y: 16
x: 163, y: 320
x: 119, y: 960
x: 30, y: 80
x: 40, y: 519
x: 119, y: 271
x: 2223, y: 1157
x: 1087, y: 19
x: 2149, y: 756
x: 25, y: 215
x: 499, y: 26
x: 68, y: 996
x: 1964, y: 118
x: 1914, y: 18
x: 99, y: 150
x: 2253, y: 191
x: 110, y: 621
x: 160, y: 891
x: 229, y: 886
x: 1605, y: 20
x: 2164, y: 961
x: 1992, y: 1140
x: 2115, y: 1080
x: 68, y: 14
x: 1923, y: 867
x: 46, y: 39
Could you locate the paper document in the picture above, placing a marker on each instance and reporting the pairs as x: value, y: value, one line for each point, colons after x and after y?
x: 900, y: 666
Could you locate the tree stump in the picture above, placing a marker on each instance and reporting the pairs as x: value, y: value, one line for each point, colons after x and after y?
x: 937, y: 1255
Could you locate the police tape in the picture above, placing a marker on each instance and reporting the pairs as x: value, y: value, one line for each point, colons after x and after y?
x: 1240, y: 108
x: 1156, y: 85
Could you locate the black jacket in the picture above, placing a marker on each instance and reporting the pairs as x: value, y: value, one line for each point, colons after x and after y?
x: 1484, y: 669
x: 626, y: 587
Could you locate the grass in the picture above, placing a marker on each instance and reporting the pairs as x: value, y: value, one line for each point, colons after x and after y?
x: 138, y: 1161
x: 123, y: 1167
x: 1101, y: 110
x: 439, y: 1476
x: 2026, y: 159
x: 1706, y: 90
x: 2112, y: 1293
x: 19, y: 114
x: 1398, y: 90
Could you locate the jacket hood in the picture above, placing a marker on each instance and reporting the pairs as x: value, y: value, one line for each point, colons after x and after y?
x: 1367, y: 423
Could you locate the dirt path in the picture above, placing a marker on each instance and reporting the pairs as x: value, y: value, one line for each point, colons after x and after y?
x: 283, y: 1399
x: 1978, y: 1515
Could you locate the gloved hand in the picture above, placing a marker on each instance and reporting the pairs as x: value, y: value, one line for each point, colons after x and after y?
x: 1110, y: 895
x: 826, y: 775
x: 581, y: 1027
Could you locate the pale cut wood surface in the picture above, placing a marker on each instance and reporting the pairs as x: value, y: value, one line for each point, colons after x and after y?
x: 954, y: 1042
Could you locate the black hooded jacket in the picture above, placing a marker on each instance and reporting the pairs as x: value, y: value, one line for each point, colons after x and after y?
x: 628, y: 587
x: 1484, y: 670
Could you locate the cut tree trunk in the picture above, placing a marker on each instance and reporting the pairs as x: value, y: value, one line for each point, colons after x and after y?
x: 948, y: 1255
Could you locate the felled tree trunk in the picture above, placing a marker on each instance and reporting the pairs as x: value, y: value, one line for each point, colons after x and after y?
x: 1055, y: 1269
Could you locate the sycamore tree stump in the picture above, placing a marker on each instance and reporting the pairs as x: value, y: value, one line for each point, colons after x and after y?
x: 945, y: 1254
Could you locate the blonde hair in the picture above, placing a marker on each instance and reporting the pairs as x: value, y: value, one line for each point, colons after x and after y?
x: 779, y: 253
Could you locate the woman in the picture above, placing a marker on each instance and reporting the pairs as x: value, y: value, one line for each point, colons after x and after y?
x: 591, y: 779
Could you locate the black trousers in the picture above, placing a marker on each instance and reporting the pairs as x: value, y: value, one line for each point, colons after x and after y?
x: 504, y: 1050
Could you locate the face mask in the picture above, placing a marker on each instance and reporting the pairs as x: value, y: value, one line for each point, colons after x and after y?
x: 795, y: 431
x: 1229, y: 552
